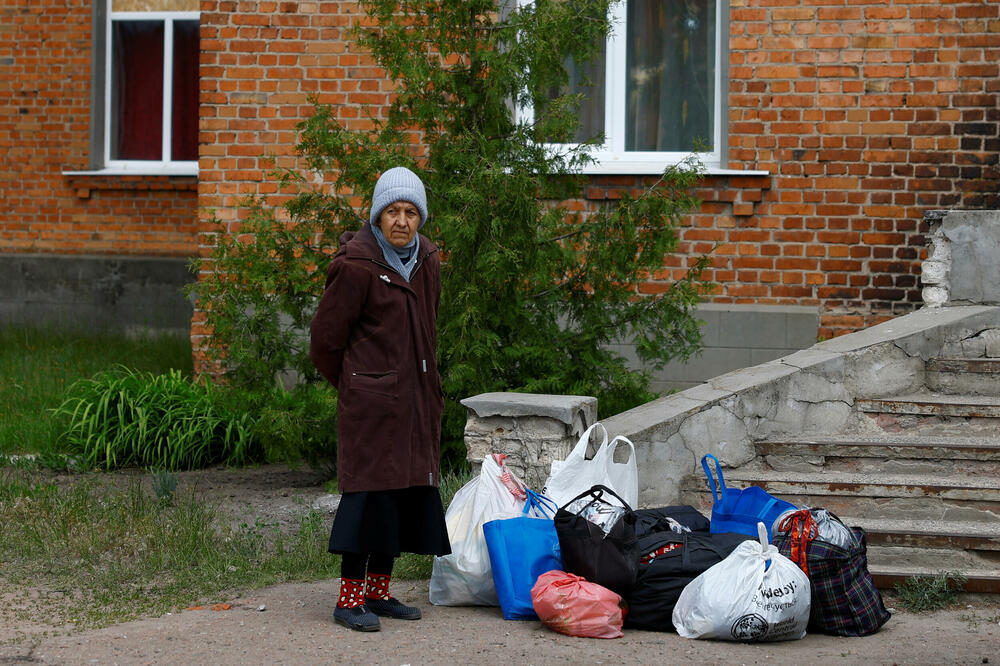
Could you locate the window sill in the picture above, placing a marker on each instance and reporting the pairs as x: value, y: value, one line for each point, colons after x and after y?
x: 85, y: 182
x: 151, y: 172
x: 650, y: 168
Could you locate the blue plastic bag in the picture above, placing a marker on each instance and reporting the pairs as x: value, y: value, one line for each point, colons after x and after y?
x: 735, y: 510
x: 522, y: 549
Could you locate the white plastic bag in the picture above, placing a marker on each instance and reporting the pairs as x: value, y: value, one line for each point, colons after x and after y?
x: 577, y: 474
x: 465, y: 578
x: 829, y: 528
x: 743, y: 599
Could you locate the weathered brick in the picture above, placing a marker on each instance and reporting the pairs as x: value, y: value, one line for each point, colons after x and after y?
x: 865, y: 113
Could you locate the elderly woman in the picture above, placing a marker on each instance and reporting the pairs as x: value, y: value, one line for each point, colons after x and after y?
x: 374, y: 337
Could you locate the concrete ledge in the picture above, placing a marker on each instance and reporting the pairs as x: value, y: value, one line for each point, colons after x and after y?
x: 564, y: 408
x: 530, y: 429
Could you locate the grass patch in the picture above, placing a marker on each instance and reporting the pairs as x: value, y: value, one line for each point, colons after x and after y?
x: 89, y: 553
x: 931, y: 592
x: 37, y: 365
x: 94, y: 554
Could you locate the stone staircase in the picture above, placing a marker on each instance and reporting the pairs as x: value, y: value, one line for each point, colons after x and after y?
x: 919, y: 472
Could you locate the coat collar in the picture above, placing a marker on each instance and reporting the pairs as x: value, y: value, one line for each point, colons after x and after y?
x: 361, y: 244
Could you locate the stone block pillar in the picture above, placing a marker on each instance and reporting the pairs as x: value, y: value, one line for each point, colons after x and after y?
x: 531, y: 429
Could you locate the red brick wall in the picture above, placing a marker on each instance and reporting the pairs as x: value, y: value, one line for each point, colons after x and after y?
x: 45, y: 80
x: 865, y: 114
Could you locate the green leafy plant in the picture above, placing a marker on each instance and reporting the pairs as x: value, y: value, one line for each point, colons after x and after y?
x: 295, y: 425
x: 38, y: 363
x: 930, y: 592
x: 537, y: 287
x: 129, y: 418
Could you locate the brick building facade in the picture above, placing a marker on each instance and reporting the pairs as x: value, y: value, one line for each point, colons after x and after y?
x: 844, y: 122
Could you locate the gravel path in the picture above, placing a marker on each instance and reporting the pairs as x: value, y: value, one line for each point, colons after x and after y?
x: 291, y: 624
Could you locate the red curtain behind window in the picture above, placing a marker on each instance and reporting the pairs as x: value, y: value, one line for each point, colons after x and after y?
x: 137, y: 90
x: 184, y: 115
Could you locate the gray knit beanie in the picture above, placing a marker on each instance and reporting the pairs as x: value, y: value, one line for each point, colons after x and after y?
x: 398, y: 184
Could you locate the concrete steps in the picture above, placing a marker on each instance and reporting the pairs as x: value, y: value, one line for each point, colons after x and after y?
x: 934, y: 414
x: 889, y: 496
x: 915, y: 525
x: 889, y: 453
x: 891, y: 565
x: 979, y: 537
x: 921, y: 475
x: 964, y: 375
x: 941, y: 405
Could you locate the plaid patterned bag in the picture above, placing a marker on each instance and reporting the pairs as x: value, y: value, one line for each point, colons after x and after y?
x: 844, y: 598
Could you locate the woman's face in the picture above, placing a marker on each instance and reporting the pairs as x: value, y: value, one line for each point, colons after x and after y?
x: 399, y: 222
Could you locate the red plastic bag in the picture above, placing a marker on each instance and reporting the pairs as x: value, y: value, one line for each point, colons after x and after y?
x: 574, y: 606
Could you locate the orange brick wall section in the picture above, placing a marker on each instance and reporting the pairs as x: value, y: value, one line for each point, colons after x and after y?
x: 45, y: 80
x: 865, y: 114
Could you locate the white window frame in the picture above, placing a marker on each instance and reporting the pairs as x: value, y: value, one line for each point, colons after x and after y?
x: 147, y: 167
x: 612, y: 158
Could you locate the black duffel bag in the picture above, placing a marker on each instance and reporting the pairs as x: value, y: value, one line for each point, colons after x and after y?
x: 606, y: 559
x: 667, y: 563
x: 659, y: 519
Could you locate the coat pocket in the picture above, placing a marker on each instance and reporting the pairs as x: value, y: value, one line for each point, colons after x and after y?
x: 384, y: 383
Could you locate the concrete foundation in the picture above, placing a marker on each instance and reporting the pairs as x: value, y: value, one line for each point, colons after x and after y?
x: 107, y: 293
x: 735, y: 336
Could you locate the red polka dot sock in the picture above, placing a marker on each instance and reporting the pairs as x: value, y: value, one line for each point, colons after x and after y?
x: 351, y: 593
x: 377, y: 586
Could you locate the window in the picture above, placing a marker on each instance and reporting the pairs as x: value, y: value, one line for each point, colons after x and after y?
x: 149, y: 114
x: 657, y: 87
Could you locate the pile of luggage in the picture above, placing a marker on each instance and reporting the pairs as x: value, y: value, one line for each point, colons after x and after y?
x: 581, y: 559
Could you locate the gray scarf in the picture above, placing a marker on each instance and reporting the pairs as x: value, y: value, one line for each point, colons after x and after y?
x: 402, y: 259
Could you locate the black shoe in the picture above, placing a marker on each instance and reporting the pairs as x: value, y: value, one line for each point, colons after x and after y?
x: 359, y: 618
x: 392, y: 607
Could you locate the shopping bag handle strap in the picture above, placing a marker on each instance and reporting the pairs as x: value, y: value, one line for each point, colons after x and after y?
x: 539, y: 503
x: 583, y: 443
x: 717, y: 492
x: 597, y: 492
x: 613, y: 446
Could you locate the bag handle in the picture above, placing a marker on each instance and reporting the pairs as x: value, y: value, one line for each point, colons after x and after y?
x: 539, y: 504
x: 513, y: 485
x: 762, y: 536
x: 610, y: 449
x: 580, y: 450
x: 716, y: 492
x: 597, y: 492
x: 801, y: 530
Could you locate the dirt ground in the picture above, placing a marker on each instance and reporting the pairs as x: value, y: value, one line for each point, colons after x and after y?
x: 292, y: 624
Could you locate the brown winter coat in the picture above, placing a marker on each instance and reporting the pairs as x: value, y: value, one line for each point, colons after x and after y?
x: 374, y: 337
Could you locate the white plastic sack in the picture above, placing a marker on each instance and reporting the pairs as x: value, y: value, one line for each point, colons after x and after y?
x: 465, y: 578
x: 742, y: 599
x: 577, y: 474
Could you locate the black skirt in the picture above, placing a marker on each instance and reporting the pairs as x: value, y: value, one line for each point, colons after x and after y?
x: 390, y: 522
